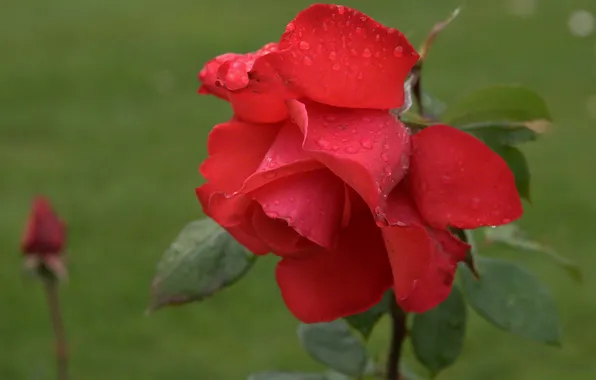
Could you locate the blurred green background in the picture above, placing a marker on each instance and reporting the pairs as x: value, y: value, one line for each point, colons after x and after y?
x: 98, y: 110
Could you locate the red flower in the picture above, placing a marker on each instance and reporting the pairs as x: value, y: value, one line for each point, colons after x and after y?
x: 315, y: 169
x: 44, y: 233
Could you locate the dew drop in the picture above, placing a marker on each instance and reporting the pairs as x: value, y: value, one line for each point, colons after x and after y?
x: 366, y: 53
x: 354, y: 52
x: 378, y: 37
x: 269, y: 174
x: 341, y: 9
x: 398, y: 52
x: 360, y: 75
x: 388, y: 171
x: 506, y: 221
x: 332, y: 55
x: 290, y: 27
x: 358, y: 30
x: 351, y: 149
x: 276, y: 203
x: 335, y: 67
x: 366, y: 143
x: 307, y: 61
x: 325, y: 27
x: 385, y: 157
x: 304, y: 45
x: 324, y: 144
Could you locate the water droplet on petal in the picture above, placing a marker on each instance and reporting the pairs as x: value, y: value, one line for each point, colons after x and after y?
x: 290, y: 27
x: 384, y: 157
x: 366, y: 143
x: 332, y: 55
x: 324, y: 144
x: 325, y: 27
x: 341, y: 9
x: 388, y: 171
x: 358, y: 30
x: 378, y: 37
x: 335, y: 67
x: 304, y: 45
x: 398, y: 52
x: 307, y: 61
x: 366, y: 53
x: 354, y: 52
x: 276, y: 203
x: 360, y: 75
x: 351, y: 149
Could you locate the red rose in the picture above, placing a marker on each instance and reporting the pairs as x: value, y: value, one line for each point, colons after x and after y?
x: 44, y: 233
x: 315, y: 169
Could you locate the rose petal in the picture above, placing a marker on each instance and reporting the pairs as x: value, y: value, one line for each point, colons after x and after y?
x: 45, y: 233
x: 258, y: 96
x: 368, y: 149
x: 457, y: 180
x: 234, y: 214
x: 285, y: 157
x: 312, y: 203
x: 283, y: 240
x: 332, y: 284
x: 236, y: 149
x: 423, y: 259
x: 342, y: 57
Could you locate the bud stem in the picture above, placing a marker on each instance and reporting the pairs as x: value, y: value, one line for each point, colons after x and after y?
x: 51, y: 289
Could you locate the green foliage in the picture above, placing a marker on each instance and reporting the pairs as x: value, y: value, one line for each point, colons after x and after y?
x: 202, y: 260
x: 512, y: 236
x: 512, y: 299
x: 438, y: 335
x: 287, y: 376
x: 498, y: 104
x: 334, y: 345
x: 365, y: 322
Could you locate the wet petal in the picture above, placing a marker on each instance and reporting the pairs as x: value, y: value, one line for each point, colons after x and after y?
x: 457, y: 180
x: 332, y: 284
x: 250, y: 84
x: 312, y: 203
x: 368, y: 149
x: 236, y: 149
x: 285, y: 157
x: 339, y: 56
x: 234, y: 214
x: 277, y: 234
x: 423, y: 259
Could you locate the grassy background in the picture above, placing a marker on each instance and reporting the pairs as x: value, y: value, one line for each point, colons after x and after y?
x: 98, y: 110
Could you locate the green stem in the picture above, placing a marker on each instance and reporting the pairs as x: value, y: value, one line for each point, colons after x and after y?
x: 398, y: 334
x: 51, y: 289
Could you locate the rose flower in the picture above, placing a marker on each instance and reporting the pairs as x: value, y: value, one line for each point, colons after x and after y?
x: 315, y: 169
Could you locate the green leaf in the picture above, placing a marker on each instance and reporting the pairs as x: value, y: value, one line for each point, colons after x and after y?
x: 518, y: 164
x: 334, y: 345
x: 438, y: 335
x: 512, y: 236
x: 271, y: 375
x: 502, y: 133
x: 512, y: 299
x: 504, y: 103
x: 408, y: 373
x: 202, y: 260
x: 365, y: 322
